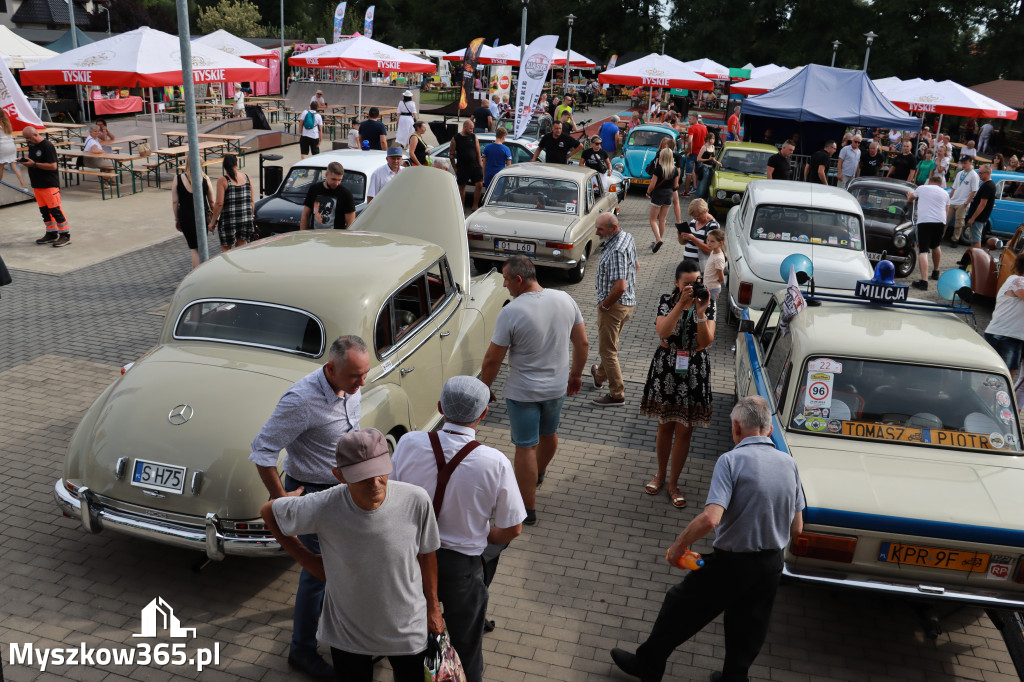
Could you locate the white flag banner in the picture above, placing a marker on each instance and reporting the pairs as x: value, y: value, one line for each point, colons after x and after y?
x: 532, y: 74
x: 794, y: 302
x: 14, y: 102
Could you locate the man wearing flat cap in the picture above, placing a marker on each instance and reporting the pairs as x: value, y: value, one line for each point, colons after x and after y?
x: 377, y: 554
x: 470, y: 484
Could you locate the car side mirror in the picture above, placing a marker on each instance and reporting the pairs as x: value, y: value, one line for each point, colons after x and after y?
x: 746, y: 326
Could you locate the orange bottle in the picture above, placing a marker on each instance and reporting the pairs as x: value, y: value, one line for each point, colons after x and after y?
x: 689, y: 560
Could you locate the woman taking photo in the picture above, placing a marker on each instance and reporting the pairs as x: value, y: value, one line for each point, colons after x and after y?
x: 664, y: 180
x: 678, y: 389
x: 236, y: 200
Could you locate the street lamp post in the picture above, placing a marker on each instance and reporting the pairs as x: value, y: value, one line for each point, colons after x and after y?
x: 74, y: 45
x: 568, y: 56
x: 663, y: 43
x: 522, y: 37
x: 104, y: 8
x: 281, y: 62
x: 870, y: 35
x: 835, y: 48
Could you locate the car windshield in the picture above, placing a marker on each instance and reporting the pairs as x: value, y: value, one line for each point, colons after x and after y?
x: 251, y: 324
x: 808, y: 225
x: 299, y: 179
x: 746, y: 161
x: 882, y: 204
x: 930, y: 406
x: 646, y: 138
x: 536, y: 194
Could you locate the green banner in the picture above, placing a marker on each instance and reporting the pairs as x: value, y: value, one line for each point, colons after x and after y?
x: 679, y: 92
x: 739, y: 73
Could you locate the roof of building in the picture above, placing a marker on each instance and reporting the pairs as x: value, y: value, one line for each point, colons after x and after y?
x: 1010, y: 93
x: 50, y: 13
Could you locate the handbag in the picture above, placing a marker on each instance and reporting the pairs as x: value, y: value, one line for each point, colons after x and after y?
x: 441, y: 663
x: 144, y: 149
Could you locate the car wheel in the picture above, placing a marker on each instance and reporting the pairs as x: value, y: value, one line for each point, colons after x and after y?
x: 576, y: 275
x: 906, y: 267
x: 482, y: 266
x: 392, y: 438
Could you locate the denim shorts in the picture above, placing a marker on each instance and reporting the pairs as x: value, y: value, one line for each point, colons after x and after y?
x: 976, y: 230
x: 528, y: 421
x: 690, y: 160
x: 1009, y: 349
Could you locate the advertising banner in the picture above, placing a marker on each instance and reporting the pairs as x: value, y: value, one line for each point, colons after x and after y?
x: 368, y: 22
x: 14, y: 102
x: 532, y: 74
x: 339, y: 19
x: 469, y: 61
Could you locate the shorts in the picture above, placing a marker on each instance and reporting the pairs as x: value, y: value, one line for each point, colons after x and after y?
x: 529, y: 420
x: 230, y: 234
x: 309, y: 145
x: 929, y: 235
x: 661, y: 197
x: 1009, y: 350
x: 691, y: 159
x: 977, y: 229
x: 714, y: 292
x: 468, y: 175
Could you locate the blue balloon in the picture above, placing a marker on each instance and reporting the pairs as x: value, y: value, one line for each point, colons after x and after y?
x: 951, y: 281
x: 796, y: 260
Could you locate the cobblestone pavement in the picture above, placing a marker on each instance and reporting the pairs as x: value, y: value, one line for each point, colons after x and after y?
x: 588, y: 577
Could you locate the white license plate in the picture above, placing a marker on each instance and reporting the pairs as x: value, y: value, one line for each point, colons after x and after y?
x: 166, y: 477
x: 518, y: 247
x: 878, y: 256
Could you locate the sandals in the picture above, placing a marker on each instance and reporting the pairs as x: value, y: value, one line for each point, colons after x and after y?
x: 653, y: 486
x: 678, y: 501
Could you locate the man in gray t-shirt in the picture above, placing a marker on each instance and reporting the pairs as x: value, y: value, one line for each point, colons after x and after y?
x: 755, y: 502
x: 535, y: 330
x: 378, y: 542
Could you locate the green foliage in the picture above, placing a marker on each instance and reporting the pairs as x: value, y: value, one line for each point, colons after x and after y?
x: 238, y: 17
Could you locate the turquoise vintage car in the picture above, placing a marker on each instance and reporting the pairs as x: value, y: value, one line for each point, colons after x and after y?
x: 640, y: 148
x: 1008, y: 212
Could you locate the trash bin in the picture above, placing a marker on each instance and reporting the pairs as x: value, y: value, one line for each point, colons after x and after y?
x: 270, y: 176
x: 259, y: 120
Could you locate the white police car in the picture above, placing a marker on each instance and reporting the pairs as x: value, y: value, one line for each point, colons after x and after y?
x: 903, y: 423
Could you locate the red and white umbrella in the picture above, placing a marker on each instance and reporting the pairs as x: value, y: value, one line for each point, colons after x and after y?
x: 948, y: 97
x: 761, y: 85
x: 656, y: 71
x: 226, y: 42
x: 766, y: 70
x: 577, y: 61
x: 503, y: 55
x: 709, y: 68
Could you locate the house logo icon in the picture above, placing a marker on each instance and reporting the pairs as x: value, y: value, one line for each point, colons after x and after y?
x: 158, y: 617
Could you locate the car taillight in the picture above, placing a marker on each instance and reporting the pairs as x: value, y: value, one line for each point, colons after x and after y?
x: 746, y: 292
x: 1019, y: 576
x: 127, y: 367
x: 473, y: 235
x: 826, y: 547
x: 558, y: 245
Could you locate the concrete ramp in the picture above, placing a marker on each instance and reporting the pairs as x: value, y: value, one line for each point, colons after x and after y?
x: 13, y: 194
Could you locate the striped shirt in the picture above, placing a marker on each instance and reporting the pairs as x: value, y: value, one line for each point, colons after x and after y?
x: 618, y: 261
x: 308, y: 421
x: 690, y: 249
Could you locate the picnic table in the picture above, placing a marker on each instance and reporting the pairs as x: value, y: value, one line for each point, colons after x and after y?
x: 120, y: 163
x: 177, y: 138
x: 65, y: 131
x: 170, y: 156
x: 132, y: 141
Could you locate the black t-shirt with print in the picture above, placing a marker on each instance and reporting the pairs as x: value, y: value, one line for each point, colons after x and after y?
x: 596, y: 159
x: 870, y: 165
x: 44, y: 152
x: 557, y: 149
x: 327, y: 205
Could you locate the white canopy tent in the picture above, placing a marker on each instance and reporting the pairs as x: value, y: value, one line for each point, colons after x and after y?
x: 18, y: 52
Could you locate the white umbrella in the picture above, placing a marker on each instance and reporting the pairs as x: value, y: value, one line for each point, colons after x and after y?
x: 766, y: 70
x: 577, y: 61
x: 18, y: 52
x: 656, y: 71
x: 709, y: 68
x: 505, y: 55
x: 948, y: 97
x: 226, y: 42
x: 757, y: 86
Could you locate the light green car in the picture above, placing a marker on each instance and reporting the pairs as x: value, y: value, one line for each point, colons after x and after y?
x: 163, y: 452
x: 741, y: 163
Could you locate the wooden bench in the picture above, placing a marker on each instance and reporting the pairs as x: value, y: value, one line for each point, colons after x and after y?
x: 105, y: 178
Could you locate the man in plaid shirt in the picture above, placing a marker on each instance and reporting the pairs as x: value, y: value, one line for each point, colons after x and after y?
x: 616, y: 298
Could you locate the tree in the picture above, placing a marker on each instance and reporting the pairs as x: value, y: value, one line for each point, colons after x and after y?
x: 238, y: 17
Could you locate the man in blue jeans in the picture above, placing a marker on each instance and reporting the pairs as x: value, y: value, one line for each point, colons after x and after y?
x: 308, y: 421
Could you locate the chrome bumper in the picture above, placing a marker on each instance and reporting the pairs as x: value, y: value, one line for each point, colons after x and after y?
x: 916, y: 591
x: 541, y: 262
x: 204, y: 537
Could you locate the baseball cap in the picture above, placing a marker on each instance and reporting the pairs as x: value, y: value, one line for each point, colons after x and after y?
x: 363, y: 454
x: 395, y: 151
x: 464, y: 398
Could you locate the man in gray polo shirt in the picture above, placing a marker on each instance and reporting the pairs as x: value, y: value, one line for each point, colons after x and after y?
x: 535, y: 330
x: 755, y: 503
x: 308, y: 421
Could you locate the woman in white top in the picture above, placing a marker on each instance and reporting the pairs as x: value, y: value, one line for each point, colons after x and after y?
x: 239, y: 101
x: 8, y: 147
x: 93, y: 146
x: 406, y: 117
x: 1006, y: 330
x: 942, y: 162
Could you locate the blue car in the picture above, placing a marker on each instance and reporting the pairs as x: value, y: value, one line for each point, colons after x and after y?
x: 640, y: 148
x: 1008, y: 213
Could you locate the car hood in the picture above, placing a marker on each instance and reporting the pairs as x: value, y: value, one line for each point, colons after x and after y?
x: 532, y: 224
x: 875, y: 227
x: 230, y: 401
x: 278, y: 209
x: 910, y: 482
x: 636, y: 161
x: 733, y: 182
x: 834, y: 268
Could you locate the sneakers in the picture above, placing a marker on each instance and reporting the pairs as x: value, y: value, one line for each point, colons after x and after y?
x: 314, y: 666
x: 920, y: 284
x: 531, y: 517
x: 935, y: 274
x: 47, y: 238
x: 63, y: 240
x: 608, y: 401
x: 629, y: 664
x: 593, y: 373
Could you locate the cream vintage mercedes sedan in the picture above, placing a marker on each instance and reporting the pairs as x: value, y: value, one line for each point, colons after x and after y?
x: 546, y: 212
x: 163, y: 452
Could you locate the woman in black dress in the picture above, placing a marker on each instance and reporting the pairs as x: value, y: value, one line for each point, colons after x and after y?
x: 678, y: 389
x: 184, y: 211
x: 417, y: 148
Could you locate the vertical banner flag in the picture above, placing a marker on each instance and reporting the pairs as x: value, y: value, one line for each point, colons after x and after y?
x: 368, y: 22
x: 14, y: 102
x: 339, y: 19
x: 611, y: 62
x: 495, y: 42
x: 469, y: 60
x: 532, y: 74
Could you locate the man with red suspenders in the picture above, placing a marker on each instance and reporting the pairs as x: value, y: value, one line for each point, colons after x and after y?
x: 470, y: 484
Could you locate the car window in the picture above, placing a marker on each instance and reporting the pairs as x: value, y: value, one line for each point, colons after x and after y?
x: 1009, y: 190
x: 535, y: 194
x: 777, y: 365
x: 405, y: 310
x: 520, y: 154
x: 748, y: 162
x: 299, y: 180
x: 439, y: 284
x: 593, y: 192
x: 808, y: 225
x: 916, y: 404
x: 646, y: 138
x: 766, y: 326
x: 884, y: 205
x: 251, y: 324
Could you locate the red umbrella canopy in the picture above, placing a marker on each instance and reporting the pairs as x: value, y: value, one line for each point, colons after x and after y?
x: 144, y: 57
x: 948, y: 97
x: 226, y: 42
x: 362, y: 53
x: 656, y: 71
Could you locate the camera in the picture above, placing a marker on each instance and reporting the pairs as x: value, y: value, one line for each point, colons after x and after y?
x: 700, y: 292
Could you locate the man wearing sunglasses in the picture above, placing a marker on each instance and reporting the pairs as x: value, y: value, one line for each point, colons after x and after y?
x: 981, y: 205
x: 849, y: 162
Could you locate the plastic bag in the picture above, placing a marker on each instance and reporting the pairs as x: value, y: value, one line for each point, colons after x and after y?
x: 441, y: 663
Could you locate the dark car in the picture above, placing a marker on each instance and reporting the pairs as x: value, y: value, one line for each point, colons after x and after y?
x: 889, y: 221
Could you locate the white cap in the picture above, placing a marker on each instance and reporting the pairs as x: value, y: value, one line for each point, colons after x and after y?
x: 464, y: 399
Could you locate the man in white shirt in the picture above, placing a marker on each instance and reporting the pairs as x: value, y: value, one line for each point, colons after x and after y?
x: 969, y: 150
x: 849, y: 162
x: 309, y: 137
x: 965, y: 185
x: 385, y: 174
x: 470, y: 484
x: 239, y: 102
x: 984, y: 135
x: 932, y: 208
x: 494, y: 106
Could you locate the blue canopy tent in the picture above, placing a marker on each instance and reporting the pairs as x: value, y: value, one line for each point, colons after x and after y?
x: 819, y: 103
x: 65, y: 44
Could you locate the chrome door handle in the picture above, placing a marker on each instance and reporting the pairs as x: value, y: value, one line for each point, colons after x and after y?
x: 444, y: 334
x: 404, y: 371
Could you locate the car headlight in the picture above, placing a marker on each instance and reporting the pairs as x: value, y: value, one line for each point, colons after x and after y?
x: 619, y: 167
x: 720, y: 194
x: 899, y: 241
x: 736, y: 198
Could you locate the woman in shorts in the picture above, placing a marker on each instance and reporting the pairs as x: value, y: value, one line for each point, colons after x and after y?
x: 1006, y: 330
x: 664, y: 181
